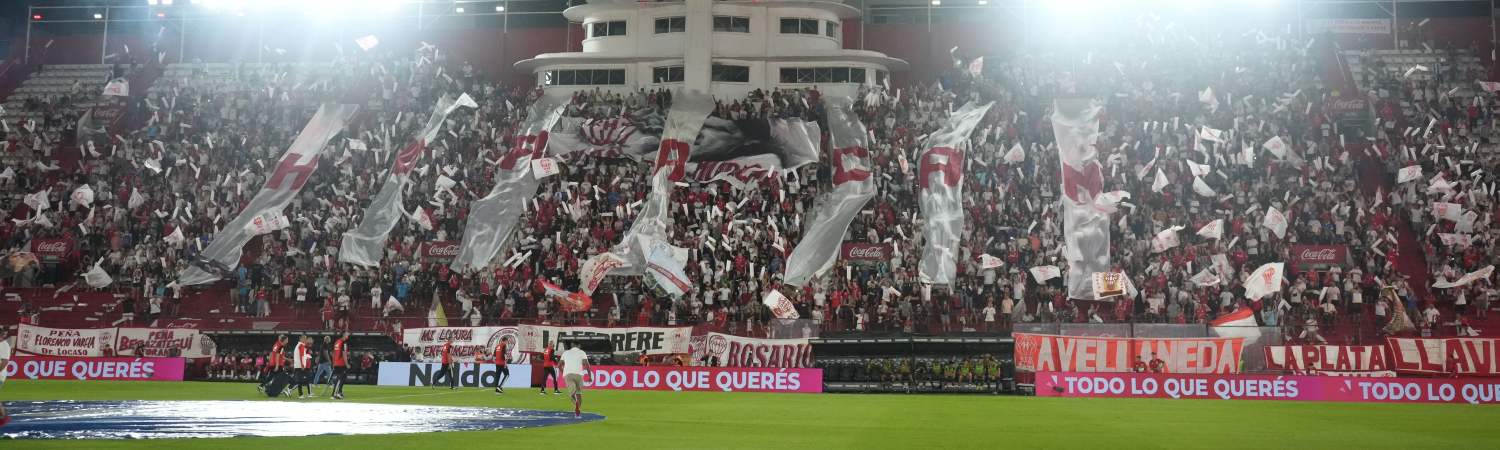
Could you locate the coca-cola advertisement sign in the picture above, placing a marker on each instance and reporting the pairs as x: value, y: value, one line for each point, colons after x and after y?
x: 865, y: 253
x: 1347, y: 105
x: 1319, y: 256
x: 440, y: 250
x: 52, y: 248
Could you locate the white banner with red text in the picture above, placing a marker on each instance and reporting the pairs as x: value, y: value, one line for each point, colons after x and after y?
x: 708, y: 379
x: 651, y: 340
x: 468, y: 343
x: 165, y: 342
x: 1269, y: 387
x: 1049, y: 353
x: 1446, y: 356
x: 735, y: 351
x: 1328, y: 359
x: 64, y: 341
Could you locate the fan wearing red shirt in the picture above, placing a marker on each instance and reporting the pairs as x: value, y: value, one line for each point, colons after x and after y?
x: 1139, y: 366
x: 1157, y: 365
x: 502, y: 351
x: 340, y: 365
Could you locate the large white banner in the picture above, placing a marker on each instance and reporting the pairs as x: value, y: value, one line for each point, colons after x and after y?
x: 165, y: 342
x: 941, y: 176
x: 649, y: 229
x: 364, y: 244
x: 468, y: 343
x: 735, y: 351
x: 295, y: 167
x: 1075, y: 123
x: 493, y: 218
x: 418, y: 374
x: 64, y: 341
x: 651, y: 340
x: 853, y: 186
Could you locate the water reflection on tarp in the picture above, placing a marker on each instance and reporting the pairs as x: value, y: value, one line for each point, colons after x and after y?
x: 218, y: 419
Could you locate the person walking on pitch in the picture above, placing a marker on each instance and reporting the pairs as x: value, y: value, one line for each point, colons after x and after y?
x: 340, y: 365
x: 502, y: 353
x: 575, y: 363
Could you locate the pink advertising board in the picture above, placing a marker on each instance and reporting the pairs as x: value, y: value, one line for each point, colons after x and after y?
x: 708, y: 379
x: 112, y: 369
x: 1269, y: 387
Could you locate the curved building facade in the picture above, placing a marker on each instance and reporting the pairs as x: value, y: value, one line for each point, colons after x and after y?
x: 728, y: 48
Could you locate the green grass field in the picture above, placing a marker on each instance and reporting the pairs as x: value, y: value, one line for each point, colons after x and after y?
x: 783, y: 421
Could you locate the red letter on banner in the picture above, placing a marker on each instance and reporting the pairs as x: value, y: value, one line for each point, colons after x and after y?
x: 952, y: 168
x: 673, y: 153
x: 529, y: 145
x: 842, y: 173
x: 289, y: 166
x: 408, y: 157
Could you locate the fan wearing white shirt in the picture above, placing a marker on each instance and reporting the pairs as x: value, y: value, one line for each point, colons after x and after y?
x: 575, y: 363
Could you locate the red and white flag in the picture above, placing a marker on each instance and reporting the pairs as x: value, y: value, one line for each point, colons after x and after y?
x: 940, y: 177
x: 1264, y: 280
x: 1213, y: 230
x: 781, y: 307
x: 1409, y: 173
x: 117, y: 87
x: 1075, y: 123
x: 1276, y: 221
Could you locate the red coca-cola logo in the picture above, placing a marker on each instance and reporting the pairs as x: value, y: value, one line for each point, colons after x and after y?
x: 1326, y: 254
x: 442, y: 249
x: 861, y: 252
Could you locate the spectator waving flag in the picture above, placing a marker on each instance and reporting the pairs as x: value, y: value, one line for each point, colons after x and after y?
x: 781, y: 307
x: 940, y: 177
x: 281, y: 186
x: 1044, y: 273
x: 1213, y: 230
x: 117, y: 87
x: 1075, y: 122
x: 364, y: 245
x: 1240, y: 323
x: 1481, y: 274
x: 853, y: 186
x: 493, y: 218
x: 1409, y: 174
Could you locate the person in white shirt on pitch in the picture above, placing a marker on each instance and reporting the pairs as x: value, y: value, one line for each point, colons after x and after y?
x: 4, y: 361
x: 301, y: 361
x: 575, y: 363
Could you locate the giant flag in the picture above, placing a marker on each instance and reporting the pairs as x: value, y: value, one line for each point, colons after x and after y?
x: 364, y: 244
x: 296, y: 166
x: 853, y: 186
x: 940, y: 177
x: 493, y: 218
x: 1075, y: 122
x: 649, y: 229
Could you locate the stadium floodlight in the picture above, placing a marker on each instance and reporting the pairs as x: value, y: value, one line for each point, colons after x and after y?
x: 98, y: 16
x: 499, y: 9
x: 161, y: 15
x: 984, y: 2
x: 166, y: 2
x: 937, y: 2
x: 459, y: 10
x: 153, y: 2
x: 36, y: 17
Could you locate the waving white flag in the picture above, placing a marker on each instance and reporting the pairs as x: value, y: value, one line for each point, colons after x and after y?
x: 1160, y: 182
x: 1409, y: 173
x: 853, y: 186
x: 1202, y: 188
x: 940, y: 178
x: 1213, y: 230
x: 1481, y: 274
x: 1044, y: 273
x: 1165, y: 239
x: 1275, y: 221
x: 1264, y: 280
x: 1075, y: 123
x: 1205, y: 278
x: 1276, y: 146
x: 781, y: 307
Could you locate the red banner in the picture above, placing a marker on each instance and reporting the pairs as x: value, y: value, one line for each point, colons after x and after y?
x: 860, y: 252
x: 1328, y: 359
x: 120, y: 369
x: 1314, y: 256
x: 1267, y: 387
x: 1450, y: 356
x: 720, y: 379
x: 52, y: 248
x: 443, y: 250
x: 1048, y: 353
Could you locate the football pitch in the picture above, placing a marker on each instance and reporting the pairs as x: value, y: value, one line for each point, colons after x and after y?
x: 651, y: 420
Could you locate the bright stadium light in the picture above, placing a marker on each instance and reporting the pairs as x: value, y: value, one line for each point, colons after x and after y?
x: 499, y: 9
x: 937, y: 2
x: 459, y: 10
x: 98, y: 16
x: 153, y: 2
x: 166, y: 2
x: 984, y: 2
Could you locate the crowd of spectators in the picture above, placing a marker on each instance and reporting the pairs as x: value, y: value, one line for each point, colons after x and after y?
x: 1183, y: 117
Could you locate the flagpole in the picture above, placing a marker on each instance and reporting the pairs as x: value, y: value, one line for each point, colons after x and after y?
x: 30, y: 12
x: 104, y: 39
